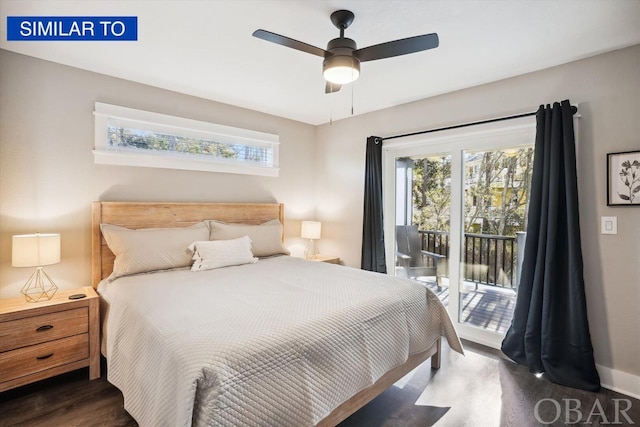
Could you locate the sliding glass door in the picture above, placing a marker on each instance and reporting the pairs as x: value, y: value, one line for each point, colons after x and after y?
x: 455, y: 216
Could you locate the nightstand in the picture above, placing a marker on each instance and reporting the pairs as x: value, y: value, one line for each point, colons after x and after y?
x: 326, y: 258
x: 47, y: 338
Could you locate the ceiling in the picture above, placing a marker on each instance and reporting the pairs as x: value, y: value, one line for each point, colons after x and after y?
x: 205, y: 48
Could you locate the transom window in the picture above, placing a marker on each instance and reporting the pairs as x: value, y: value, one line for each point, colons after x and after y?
x: 125, y: 136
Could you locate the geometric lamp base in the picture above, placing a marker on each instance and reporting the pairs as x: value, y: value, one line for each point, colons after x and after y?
x: 311, y: 250
x: 39, y: 286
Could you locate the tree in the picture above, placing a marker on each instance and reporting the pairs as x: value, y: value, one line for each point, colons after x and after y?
x: 496, y: 196
x: 500, y: 190
x: 432, y: 193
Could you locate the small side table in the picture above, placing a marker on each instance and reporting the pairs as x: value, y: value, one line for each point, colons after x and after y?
x: 326, y: 258
x: 47, y: 338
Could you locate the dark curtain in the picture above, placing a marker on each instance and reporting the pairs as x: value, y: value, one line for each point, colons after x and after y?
x: 372, y: 234
x: 549, y: 332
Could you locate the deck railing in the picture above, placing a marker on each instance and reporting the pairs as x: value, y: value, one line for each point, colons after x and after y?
x: 488, y: 259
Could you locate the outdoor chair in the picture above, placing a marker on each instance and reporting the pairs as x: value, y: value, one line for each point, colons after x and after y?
x: 415, y: 262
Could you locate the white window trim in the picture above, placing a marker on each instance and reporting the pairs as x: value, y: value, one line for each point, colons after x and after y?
x: 181, y: 127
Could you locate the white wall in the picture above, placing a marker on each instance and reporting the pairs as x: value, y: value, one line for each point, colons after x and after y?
x: 606, y: 89
x: 48, y: 178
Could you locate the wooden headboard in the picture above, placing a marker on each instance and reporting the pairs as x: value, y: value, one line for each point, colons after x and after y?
x: 136, y: 215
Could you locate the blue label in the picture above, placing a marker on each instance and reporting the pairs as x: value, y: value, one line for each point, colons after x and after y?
x: 79, y: 28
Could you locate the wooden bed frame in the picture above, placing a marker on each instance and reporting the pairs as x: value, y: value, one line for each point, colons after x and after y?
x: 136, y: 215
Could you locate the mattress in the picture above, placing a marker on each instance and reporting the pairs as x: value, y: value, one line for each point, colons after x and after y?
x: 281, y: 342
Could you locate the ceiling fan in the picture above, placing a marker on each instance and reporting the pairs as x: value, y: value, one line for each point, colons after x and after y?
x: 342, y: 58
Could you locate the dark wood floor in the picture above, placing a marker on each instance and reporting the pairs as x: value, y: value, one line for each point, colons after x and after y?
x: 477, y: 390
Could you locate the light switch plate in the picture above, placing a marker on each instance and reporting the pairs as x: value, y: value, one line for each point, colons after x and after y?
x: 609, y: 225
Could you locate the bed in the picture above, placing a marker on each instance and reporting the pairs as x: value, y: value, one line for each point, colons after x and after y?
x: 275, y: 341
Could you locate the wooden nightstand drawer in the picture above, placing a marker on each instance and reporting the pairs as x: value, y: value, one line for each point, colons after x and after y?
x: 36, y: 358
x: 38, y: 329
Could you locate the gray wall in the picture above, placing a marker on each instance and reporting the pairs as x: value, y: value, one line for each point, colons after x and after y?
x: 48, y: 178
x: 606, y: 89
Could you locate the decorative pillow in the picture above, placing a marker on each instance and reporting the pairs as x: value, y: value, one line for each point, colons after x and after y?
x: 266, y: 238
x: 150, y: 249
x: 211, y: 254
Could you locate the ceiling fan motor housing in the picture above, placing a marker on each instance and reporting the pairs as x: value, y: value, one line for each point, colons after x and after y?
x: 341, y: 66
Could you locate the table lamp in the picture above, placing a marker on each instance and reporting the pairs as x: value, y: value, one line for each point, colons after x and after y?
x: 311, y: 230
x: 36, y: 250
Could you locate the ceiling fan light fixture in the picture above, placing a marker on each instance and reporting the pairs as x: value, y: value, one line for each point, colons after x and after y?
x: 341, y: 69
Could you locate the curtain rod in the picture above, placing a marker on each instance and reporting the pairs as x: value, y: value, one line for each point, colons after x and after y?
x: 574, y: 110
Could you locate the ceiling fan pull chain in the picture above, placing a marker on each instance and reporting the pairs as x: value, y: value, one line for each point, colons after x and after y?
x: 352, y: 84
x: 331, y: 110
x: 352, y: 99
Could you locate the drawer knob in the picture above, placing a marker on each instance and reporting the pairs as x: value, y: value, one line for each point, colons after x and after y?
x: 44, y: 328
x: 46, y: 356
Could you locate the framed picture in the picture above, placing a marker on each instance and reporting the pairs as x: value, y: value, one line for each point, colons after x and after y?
x: 623, y: 179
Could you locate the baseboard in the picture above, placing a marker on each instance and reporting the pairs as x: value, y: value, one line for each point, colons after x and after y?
x: 619, y: 381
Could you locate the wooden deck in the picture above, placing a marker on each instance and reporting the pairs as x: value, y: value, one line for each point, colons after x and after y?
x: 488, y: 307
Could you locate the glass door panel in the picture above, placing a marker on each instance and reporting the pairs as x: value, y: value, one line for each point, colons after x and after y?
x: 495, y: 197
x: 423, y: 220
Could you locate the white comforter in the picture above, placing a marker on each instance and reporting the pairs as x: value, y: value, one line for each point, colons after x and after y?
x: 278, y: 343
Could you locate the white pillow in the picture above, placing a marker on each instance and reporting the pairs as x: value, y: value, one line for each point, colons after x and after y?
x: 150, y: 249
x: 211, y: 254
x: 266, y: 238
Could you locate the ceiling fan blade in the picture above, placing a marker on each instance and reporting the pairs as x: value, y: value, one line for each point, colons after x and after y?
x: 331, y: 87
x: 397, y: 47
x: 286, y: 41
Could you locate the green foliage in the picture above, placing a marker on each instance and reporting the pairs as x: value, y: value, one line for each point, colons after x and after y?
x: 432, y: 193
x: 496, y: 196
x: 153, y: 141
x: 496, y: 191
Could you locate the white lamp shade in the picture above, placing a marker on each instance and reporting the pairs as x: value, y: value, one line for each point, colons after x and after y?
x: 311, y: 230
x: 35, y: 250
